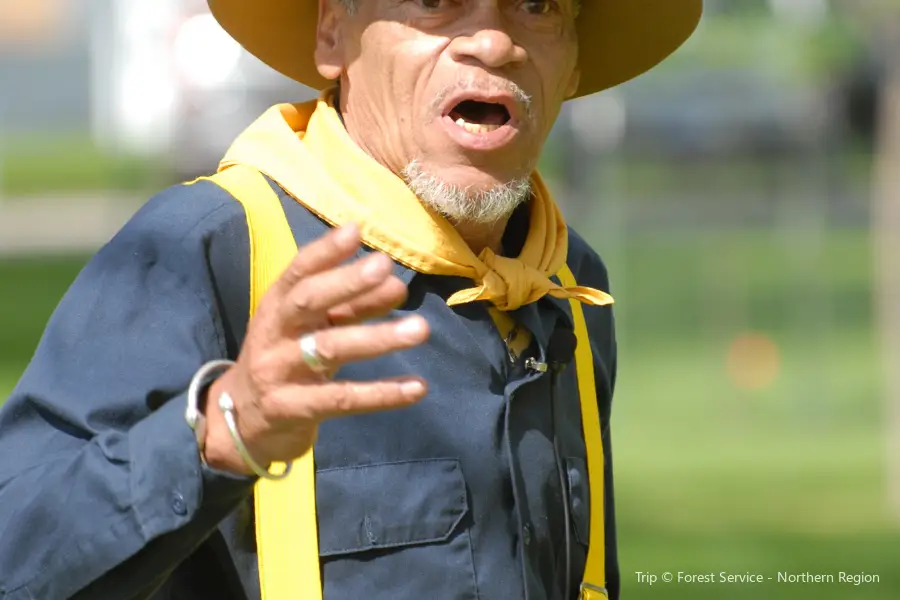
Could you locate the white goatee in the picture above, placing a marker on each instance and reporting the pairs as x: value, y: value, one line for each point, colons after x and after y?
x: 464, y: 205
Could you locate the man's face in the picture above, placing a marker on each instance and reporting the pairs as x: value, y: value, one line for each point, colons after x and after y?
x: 463, y: 90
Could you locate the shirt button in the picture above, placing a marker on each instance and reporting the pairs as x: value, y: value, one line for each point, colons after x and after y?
x: 526, y: 534
x: 179, y: 507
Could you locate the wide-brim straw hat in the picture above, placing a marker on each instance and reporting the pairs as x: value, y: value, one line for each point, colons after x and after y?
x: 618, y: 39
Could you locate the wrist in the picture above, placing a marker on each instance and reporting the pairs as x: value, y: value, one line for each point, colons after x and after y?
x: 219, y: 451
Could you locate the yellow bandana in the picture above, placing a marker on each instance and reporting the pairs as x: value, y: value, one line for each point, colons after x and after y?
x: 305, y: 148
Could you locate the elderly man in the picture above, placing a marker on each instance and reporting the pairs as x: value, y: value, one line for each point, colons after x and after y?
x: 401, y: 416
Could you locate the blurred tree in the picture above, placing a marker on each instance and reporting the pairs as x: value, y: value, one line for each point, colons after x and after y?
x: 880, y: 22
x: 858, y: 92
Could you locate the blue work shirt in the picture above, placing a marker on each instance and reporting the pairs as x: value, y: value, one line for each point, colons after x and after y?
x: 103, y: 494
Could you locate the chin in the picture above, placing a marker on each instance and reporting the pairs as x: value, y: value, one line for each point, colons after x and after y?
x: 467, y: 194
x: 482, y: 175
x: 475, y: 180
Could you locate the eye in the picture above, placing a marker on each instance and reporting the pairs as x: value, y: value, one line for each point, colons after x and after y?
x: 538, y: 7
x: 431, y: 4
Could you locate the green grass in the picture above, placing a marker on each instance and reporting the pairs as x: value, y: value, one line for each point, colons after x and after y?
x: 33, y: 289
x: 713, y: 477
x: 70, y: 163
x: 710, y: 476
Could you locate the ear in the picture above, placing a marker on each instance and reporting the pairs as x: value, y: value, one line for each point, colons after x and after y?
x: 574, y: 80
x: 329, y: 51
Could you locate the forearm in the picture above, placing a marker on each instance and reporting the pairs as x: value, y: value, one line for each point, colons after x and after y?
x: 115, y: 515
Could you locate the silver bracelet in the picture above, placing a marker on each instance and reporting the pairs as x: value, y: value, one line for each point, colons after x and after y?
x: 195, y: 418
x: 226, y: 405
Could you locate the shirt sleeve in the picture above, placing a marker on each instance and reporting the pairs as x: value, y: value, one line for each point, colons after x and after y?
x: 101, y: 485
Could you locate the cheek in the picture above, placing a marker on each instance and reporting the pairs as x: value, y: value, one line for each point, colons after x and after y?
x: 398, y: 61
x: 556, y: 71
x: 416, y: 59
x: 559, y: 73
x: 410, y: 84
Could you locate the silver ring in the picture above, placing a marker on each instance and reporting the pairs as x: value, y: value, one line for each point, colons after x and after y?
x: 310, y: 355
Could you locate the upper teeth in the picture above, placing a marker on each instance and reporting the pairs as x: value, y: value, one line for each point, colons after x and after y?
x: 476, y: 127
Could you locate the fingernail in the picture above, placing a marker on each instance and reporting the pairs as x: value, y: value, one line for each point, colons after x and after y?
x: 411, y: 328
x: 348, y: 232
x: 376, y: 267
x: 412, y: 388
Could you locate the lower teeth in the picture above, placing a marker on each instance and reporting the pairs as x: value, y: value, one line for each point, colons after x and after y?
x: 476, y: 127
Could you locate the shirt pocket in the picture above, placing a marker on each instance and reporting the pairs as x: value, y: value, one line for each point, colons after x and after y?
x: 579, y: 498
x: 395, y: 530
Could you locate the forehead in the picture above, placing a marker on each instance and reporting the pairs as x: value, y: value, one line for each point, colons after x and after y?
x: 410, y: 30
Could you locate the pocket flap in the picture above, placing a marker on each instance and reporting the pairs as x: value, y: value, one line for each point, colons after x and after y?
x: 389, y: 505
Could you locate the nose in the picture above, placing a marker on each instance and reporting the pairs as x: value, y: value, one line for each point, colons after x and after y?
x: 489, y: 43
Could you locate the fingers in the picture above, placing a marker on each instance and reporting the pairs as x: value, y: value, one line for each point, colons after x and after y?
x: 309, y: 300
x: 326, y: 252
x: 322, y: 292
x: 352, y: 343
x: 377, y: 303
x: 346, y: 398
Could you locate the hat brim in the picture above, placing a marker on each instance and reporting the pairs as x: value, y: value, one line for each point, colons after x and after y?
x: 618, y: 39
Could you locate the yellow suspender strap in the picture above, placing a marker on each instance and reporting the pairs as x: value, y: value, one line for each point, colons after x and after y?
x: 286, y: 530
x: 594, y: 584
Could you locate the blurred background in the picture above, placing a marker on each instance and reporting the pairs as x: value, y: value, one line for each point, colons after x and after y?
x: 745, y: 195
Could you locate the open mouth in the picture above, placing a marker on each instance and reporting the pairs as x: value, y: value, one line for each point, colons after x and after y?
x: 479, y: 117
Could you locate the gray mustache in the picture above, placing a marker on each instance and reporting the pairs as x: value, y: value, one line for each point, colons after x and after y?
x: 470, y: 85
